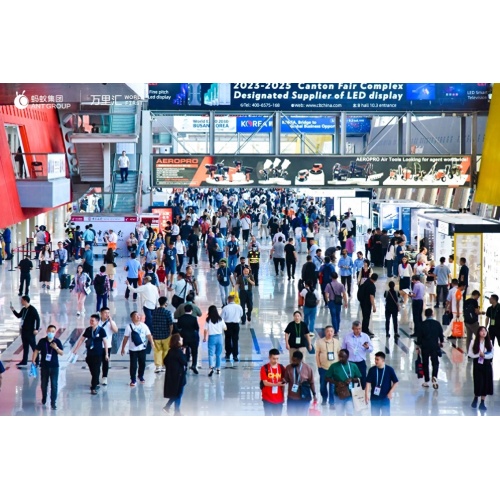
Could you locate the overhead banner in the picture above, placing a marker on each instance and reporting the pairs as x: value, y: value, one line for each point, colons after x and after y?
x: 304, y: 124
x: 371, y: 97
x: 312, y: 171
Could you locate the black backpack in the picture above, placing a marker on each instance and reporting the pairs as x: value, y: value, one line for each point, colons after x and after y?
x: 310, y: 299
x: 470, y: 316
x: 99, y: 282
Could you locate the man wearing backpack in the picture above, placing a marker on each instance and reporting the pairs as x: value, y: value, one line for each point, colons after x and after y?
x: 325, y: 275
x: 272, y: 382
x: 102, y: 288
x: 312, y: 298
x: 264, y: 220
x: 471, y: 316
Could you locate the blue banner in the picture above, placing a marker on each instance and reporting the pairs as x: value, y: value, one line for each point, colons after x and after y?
x: 303, y: 124
x: 302, y: 97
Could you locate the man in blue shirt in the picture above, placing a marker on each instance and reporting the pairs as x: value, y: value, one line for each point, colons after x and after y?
x: 381, y: 383
x: 233, y: 250
x: 358, y: 264
x: 346, y: 267
x: 88, y: 261
x: 442, y: 281
x: 358, y: 344
x: 132, y: 267
x: 7, y: 235
x: 88, y: 237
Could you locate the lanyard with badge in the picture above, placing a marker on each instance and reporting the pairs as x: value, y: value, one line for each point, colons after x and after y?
x: 48, y: 356
x: 298, y: 338
x: 330, y: 356
x: 378, y: 387
x: 25, y: 312
x: 350, y: 374
x: 493, y: 318
x: 296, y: 378
x: 274, y: 378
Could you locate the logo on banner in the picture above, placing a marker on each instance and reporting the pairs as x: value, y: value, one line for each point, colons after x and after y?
x: 21, y: 101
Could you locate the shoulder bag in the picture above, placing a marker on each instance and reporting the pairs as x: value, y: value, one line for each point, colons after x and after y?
x: 136, y: 338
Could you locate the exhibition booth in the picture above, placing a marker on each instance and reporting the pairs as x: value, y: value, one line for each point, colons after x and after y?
x: 465, y: 235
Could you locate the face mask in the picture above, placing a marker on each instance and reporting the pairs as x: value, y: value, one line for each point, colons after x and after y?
x: 51, y: 336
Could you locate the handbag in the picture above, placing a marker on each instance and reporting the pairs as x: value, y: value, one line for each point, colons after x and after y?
x: 358, y: 399
x: 457, y: 329
x: 236, y: 297
x: 342, y: 390
x: 305, y: 391
x: 447, y: 317
x: 419, y: 367
x: 55, y: 267
x: 314, y: 411
x: 135, y: 337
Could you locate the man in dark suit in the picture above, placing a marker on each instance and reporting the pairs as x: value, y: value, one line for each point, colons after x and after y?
x: 309, y: 272
x: 188, y: 327
x: 30, y: 324
x: 430, y: 340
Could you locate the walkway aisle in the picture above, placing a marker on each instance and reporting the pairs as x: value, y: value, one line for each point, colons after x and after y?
x: 236, y: 390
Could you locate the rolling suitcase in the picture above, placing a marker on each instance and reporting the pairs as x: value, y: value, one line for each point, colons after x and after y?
x: 65, y: 281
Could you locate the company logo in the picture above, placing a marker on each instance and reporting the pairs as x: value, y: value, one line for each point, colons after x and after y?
x: 176, y: 161
x: 21, y: 101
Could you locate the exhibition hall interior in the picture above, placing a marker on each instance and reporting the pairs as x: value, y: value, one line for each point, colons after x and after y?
x: 264, y: 225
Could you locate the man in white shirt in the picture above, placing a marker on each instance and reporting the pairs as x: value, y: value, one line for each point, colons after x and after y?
x: 110, y: 328
x: 112, y: 239
x: 232, y: 314
x: 124, y: 164
x: 246, y: 224
x: 348, y: 224
x: 137, y: 350
x: 149, y: 294
x: 278, y: 235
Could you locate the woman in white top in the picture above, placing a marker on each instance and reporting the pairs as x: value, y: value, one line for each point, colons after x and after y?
x: 213, y: 330
x: 481, y: 352
x: 405, y: 272
x: 46, y: 260
x: 181, y: 251
x: 389, y: 260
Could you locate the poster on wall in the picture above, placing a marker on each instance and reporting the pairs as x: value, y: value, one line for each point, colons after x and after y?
x: 390, y: 218
x: 122, y: 226
x: 311, y: 171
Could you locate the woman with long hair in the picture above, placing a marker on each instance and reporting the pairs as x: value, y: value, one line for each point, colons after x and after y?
x: 214, y: 327
x: 430, y: 282
x: 175, y: 374
x: 481, y: 352
x: 80, y: 285
x: 109, y: 260
x: 46, y: 260
x: 405, y: 272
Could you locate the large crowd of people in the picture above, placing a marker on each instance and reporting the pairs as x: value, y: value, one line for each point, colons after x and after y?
x: 231, y: 227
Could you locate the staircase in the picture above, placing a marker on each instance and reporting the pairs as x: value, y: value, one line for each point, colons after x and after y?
x: 90, y: 162
x: 122, y: 119
x: 125, y: 194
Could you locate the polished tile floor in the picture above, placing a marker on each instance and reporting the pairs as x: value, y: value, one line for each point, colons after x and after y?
x: 236, y: 390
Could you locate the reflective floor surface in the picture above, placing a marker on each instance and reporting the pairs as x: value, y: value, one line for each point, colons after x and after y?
x: 236, y: 390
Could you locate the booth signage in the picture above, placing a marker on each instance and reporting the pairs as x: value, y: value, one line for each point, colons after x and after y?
x: 384, y: 97
x: 311, y: 171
